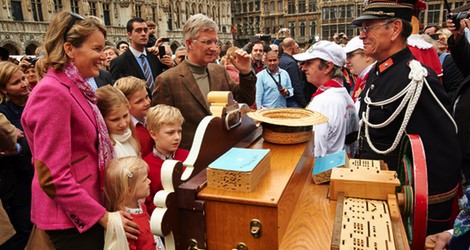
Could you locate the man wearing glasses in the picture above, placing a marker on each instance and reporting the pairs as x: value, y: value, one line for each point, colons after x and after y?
x: 403, y: 96
x: 359, y: 64
x: 186, y: 86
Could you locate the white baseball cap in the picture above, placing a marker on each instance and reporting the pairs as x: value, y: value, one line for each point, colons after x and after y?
x: 326, y: 50
x: 354, y: 44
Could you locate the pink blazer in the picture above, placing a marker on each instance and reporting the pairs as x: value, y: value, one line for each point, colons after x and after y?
x: 62, y: 133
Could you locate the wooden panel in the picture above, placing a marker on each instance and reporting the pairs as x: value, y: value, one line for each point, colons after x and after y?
x: 311, y: 224
x: 292, y: 193
x: 277, y: 193
x: 228, y: 224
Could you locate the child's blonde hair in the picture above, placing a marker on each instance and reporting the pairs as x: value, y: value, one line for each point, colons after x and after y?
x: 122, y: 175
x: 110, y: 98
x: 162, y: 114
x: 129, y: 85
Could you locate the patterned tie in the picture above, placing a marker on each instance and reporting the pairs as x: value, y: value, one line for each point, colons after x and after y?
x: 147, y: 73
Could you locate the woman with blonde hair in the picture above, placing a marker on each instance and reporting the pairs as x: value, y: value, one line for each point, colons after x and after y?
x: 14, y: 93
x: 68, y: 137
x: 114, y: 107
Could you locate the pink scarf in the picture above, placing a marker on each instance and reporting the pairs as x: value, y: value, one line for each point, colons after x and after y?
x: 105, y: 146
x: 329, y: 84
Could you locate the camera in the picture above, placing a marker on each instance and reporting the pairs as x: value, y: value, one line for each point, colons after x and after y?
x: 456, y: 17
x: 32, y: 60
x: 266, y: 38
x: 161, y: 51
x: 165, y: 39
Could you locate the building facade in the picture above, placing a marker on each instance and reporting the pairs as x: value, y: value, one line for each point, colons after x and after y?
x: 24, y: 22
x: 311, y: 20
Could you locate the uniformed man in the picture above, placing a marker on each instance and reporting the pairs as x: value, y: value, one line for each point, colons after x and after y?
x: 384, y: 28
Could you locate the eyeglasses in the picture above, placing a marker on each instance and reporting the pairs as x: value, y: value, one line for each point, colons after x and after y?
x: 74, y: 17
x: 209, y: 42
x: 366, y: 29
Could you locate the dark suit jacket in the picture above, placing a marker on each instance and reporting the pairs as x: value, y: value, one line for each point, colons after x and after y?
x: 127, y: 65
x: 178, y: 88
x: 104, y: 78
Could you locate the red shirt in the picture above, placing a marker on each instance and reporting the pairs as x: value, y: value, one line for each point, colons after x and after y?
x: 155, y: 167
x: 145, y: 240
x: 143, y: 136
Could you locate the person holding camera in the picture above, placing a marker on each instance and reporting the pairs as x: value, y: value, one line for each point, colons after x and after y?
x: 459, y: 48
x: 273, y: 84
x: 27, y: 65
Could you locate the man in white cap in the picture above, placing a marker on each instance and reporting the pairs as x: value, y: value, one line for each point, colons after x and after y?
x: 322, y: 64
x: 359, y: 64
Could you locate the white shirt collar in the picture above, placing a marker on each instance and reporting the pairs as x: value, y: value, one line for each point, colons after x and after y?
x: 135, y: 121
x: 137, y: 53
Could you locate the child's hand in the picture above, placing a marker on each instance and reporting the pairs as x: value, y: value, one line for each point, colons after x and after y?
x: 131, y: 228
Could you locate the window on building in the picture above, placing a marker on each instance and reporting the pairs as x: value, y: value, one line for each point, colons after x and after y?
x: 351, y: 31
x: 349, y: 11
x: 16, y: 10
x: 106, y: 14
x: 325, y: 13
x: 280, y: 22
x: 325, y: 34
x: 36, y: 8
x: 292, y: 28
x: 333, y: 13
x: 312, y: 26
x: 92, y: 8
x: 302, y: 6
x: 302, y: 28
x: 458, y: 4
x: 342, y: 12
x: 178, y: 15
x: 358, y: 10
x: 138, y: 10
x: 291, y: 7
x: 244, y: 7
x: 57, y: 6
x: 272, y: 6
x: 250, y: 7
x: 279, y: 6
x: 433, y: 13
x: 74, y: 6
x: 312, y: 5
x: 257, y: 6
x: 170, y: 19
x: 154, y: 13
x: 267, y: 25
x: 266, y: 7
x: 421, y: 17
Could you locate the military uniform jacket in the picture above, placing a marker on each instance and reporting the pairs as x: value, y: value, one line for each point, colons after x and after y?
x: 428, y: 120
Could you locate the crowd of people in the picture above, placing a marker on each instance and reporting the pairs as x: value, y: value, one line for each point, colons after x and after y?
x: 85, y: 127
